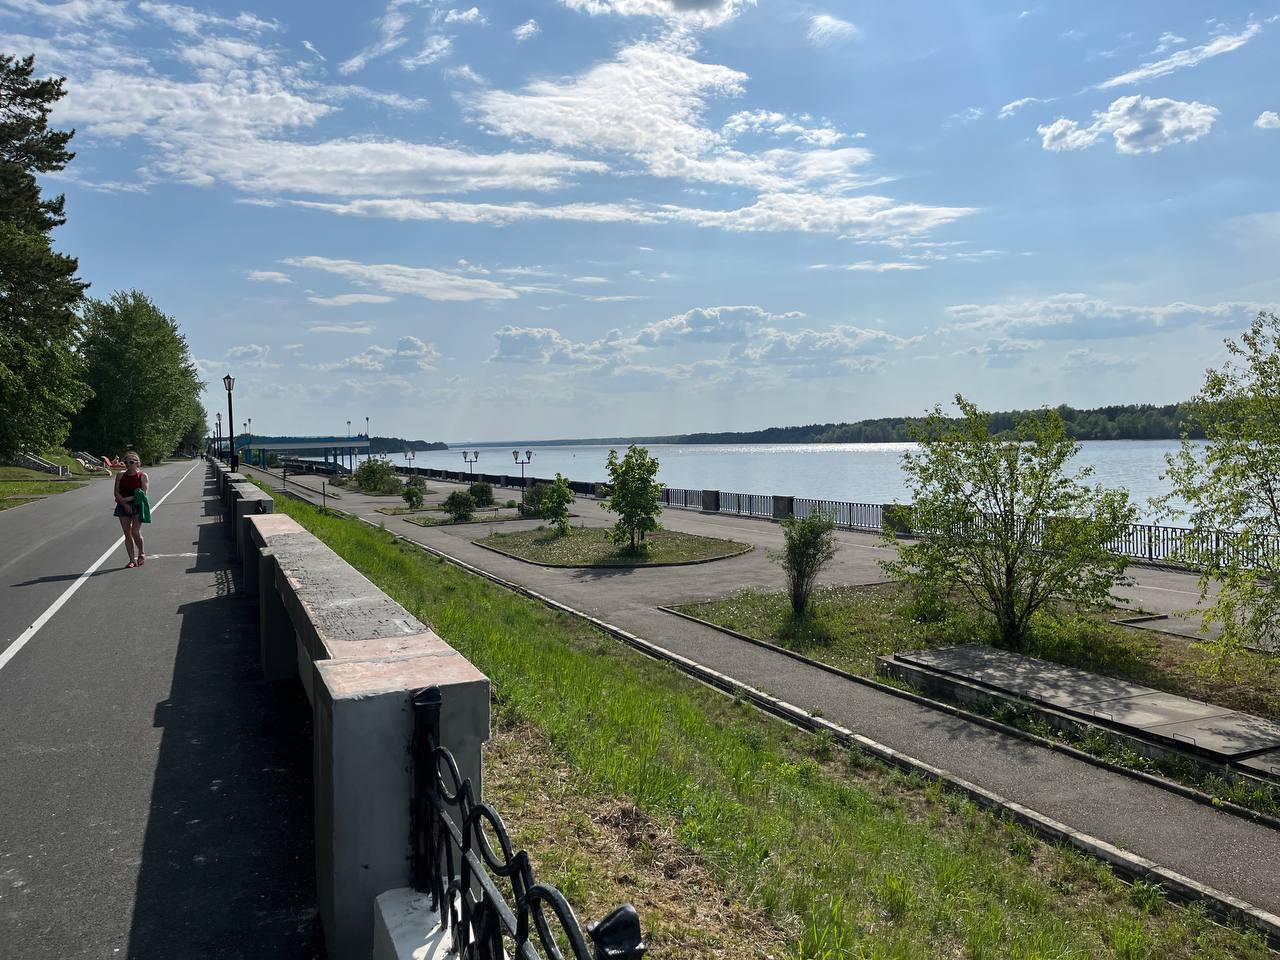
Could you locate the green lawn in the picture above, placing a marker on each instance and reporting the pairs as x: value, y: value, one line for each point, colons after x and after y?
x: 594, y: 547
x: 851, y: 626
x: 41, y: 487
x: 11, y: 502
x: 848, y: 858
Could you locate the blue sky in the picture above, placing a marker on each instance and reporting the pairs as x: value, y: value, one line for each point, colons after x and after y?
x: 554, y: 218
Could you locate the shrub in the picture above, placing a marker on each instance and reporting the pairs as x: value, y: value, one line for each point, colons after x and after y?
x: 413, y: 497
x: 532, y: 501
x: 603, y: 491
x: 481, y: 493
x: 377, y: 476
x: 809, y: 546
x: 555, y: 504
x: 460, y: 506
x: 510, y: 504
x: 417, y: 483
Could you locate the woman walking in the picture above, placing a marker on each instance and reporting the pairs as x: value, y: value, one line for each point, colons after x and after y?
x: 127, y: 484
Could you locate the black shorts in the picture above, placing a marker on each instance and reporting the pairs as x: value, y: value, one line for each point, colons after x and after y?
x: 123, y: 511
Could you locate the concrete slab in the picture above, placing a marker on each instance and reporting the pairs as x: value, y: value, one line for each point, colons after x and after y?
x: 1153, y: 709
x: 1267, y: 764
x: 1229, y: 735
x: 389, y: 648
x: 1024, y: 676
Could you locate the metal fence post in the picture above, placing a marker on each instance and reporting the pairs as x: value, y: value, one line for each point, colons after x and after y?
x: 422, y: 819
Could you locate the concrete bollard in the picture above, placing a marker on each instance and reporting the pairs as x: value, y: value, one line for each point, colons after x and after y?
x: 710, y: 501
x: 784, y: 507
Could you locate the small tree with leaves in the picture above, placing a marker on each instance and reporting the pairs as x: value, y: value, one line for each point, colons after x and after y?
x: 635, y: 496
x: 377, y: 476
x: 809, y: 545
x: 556, y: 503
x: 412, y: 496
x: 1006, y: 521
x: 1231, y: 483
x: 460, y: 506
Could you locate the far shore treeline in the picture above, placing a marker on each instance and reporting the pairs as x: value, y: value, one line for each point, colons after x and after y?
x: 376, y: 444
x: 1141, y: 421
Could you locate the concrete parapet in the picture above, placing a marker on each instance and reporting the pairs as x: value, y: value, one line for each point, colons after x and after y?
x: 359, y: 655
x: 406, y: 928
x: 784, y: 507
x: 710, y: 501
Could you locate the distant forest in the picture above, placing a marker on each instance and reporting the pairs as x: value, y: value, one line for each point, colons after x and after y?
x: 1126, y: 422
x: 376, y: 444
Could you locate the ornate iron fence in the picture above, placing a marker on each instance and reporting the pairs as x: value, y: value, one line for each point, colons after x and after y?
x: 456, y: 864
x: 860, y: 516
x: 747, y: 504
x: 686, y: 499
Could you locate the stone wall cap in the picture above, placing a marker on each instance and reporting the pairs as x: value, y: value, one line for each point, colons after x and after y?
x: 273, y: 524
x: 426, y: 644
x: 354, y: 679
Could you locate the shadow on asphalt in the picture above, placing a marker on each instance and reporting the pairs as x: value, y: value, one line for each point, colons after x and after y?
x: 227, y: 860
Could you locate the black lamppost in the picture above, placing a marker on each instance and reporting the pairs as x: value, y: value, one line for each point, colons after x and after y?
x: 528, y: 456
x: 368, y: 451
x: 234, y: 462
x: 350, y: 465
x: 469, y: 459
x: 218, y: 434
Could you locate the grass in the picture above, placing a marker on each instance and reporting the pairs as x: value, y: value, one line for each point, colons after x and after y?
x: 11, y: 502
x: 32, y: 488
x: 401, y: 511
x: 594, y: 547
x: 851, y: 625
x: 844, y: 857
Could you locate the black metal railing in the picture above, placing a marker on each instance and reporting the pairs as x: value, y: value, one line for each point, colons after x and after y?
x: 456, y: 864
x: 859, y: 516
x: 677, y: 497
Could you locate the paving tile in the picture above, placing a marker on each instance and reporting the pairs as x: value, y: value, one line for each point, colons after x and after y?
x: 1228, y: 735
x: 1267, y: 764
x: 1151, y: 709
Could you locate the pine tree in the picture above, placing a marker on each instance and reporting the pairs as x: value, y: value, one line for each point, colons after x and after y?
x: 40, y: 372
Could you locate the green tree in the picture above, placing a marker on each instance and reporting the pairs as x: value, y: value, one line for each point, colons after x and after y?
x: 145, y: 385
x: 459, y: 505
x: 1232, y: 484
x: 194, y: 436
x: 1006, y: 521
x: 481, y: 493
x: 556, y: 503
x: 41, y: 375
x: 377, y: 476
x: 635, y: 496
x: 412, y: 497
x: 809, y: 544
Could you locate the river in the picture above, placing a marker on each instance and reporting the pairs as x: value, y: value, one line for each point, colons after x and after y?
x: 860, y: 472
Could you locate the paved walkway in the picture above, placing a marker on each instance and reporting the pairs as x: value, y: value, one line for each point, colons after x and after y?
x: 1230, y: 854
x: 156, y: 797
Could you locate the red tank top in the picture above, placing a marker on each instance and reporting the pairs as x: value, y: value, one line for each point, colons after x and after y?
x: 129, y: 484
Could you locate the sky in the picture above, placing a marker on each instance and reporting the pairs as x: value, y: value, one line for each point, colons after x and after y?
x: 573, y: 218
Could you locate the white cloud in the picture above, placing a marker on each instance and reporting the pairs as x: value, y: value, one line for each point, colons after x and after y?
x: 866, y: 217
x: 73, y: 13
x: 356, y: 328
x: 1268, y: 120
x: 1184, y: 58
x: 1137, y: 124
x: 1085, y: 360
x: 463, y: 74
x: 195, y: 23
x: 964, y: 117
x: 1168, y: 41
x: 417, y: 281
x: 1009, y: 109
x: 268, y: 276
x: 310, y: 48
x: 782, y: 125
x: 409, y: 355
x: 526, y: 31
x: 473, y: 15
x: 1003, y: 351
x: 590, y: 279
x: 435, y: 48
x: 710, y: 325
x: 1082, y: 317
x: 836, y: 350
x: 252, y: 356
x: 391, y: 36
x: 349, y: 299
x: 873, y: 266
x: 825, y: 30
x: 543, y: 345
x: 71, y: 51
x: 696, y: 13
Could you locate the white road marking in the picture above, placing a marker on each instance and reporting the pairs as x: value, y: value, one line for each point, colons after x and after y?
x: 67, y: 594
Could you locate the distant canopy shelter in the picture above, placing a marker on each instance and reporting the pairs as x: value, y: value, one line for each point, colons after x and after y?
x: 335, y: 449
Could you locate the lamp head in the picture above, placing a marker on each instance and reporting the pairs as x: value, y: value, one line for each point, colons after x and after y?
x: 528, y: 454
x: 515, y: 454
x: 229, y: 382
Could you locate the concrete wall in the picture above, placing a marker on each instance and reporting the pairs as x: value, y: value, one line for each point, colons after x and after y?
x: 360, y: 656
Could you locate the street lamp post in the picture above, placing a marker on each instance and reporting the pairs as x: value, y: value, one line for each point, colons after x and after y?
x: 230, y: 382
x: 469, y: 459
x: 528, y: 456
x: 218, y: 434
x: 248, y: 428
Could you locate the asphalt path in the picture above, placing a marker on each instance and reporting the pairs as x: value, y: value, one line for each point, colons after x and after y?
x: 155, y: 795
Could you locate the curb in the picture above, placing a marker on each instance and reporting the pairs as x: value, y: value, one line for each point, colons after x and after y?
x: 1164, y: 783
x: 1125, y: 863
x: 608, y: 566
